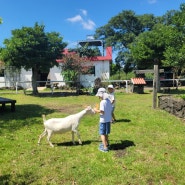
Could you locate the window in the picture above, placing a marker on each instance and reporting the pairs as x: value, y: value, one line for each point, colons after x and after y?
x: 90, y: 71
x: 1, y: 72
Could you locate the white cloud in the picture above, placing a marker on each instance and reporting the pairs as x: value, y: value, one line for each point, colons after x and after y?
x: 152, y: 1
x: 76, y: 18
x: 84, y: 12
x: 88, y: 25
x: 82, y: 19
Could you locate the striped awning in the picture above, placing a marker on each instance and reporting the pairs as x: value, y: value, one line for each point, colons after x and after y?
x: 138, y: 81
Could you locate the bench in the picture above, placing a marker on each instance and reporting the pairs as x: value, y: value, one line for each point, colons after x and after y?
x: 4, y: 101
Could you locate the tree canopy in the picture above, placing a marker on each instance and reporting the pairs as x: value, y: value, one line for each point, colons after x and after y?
x: 139, y: 40
x: 122, y: 30
x: 33, y: 48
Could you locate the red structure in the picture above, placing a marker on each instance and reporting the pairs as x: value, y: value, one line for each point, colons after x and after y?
x: 138, y: 85
x: 138, y: 81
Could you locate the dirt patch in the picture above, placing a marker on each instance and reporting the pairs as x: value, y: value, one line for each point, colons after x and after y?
x: 120, y: 148
x: 67, y: 109
x: 120, y: 153
x: 57, y: 94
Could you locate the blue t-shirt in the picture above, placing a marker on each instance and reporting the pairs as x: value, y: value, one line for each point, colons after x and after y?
x: 106, y: 107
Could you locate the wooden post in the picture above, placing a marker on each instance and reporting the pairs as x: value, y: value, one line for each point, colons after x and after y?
x: 155, y: 85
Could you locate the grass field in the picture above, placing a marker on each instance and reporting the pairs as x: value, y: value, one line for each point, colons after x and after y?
x: 147, y: 145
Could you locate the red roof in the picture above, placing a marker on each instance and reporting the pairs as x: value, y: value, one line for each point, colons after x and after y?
x: 138, y: 81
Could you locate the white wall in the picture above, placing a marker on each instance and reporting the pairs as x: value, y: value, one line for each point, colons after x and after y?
x: 25, y: 78
x: 55, y: 75
x: 2, y: 82
x: 101, y: 71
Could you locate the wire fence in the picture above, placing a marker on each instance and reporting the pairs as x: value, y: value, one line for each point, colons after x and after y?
x: 56, y: 86
x: 71, y: 86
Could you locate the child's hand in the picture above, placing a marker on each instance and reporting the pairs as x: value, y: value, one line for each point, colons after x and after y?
x: 95, y: 110
x: 97, y: 106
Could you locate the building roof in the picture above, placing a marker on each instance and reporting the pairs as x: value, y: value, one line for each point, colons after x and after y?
x: 138, y: 81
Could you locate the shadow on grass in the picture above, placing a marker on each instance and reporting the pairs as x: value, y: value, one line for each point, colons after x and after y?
x: 5, y: 179
x: 121, y: 146
x: 175, y: 91
x: 117, y: 146
x: 26, y: 114
x: 58, y: 94
x: 122, y: 120
x: 26, y: 178
x: 70, y: 143
x: 25, y: 111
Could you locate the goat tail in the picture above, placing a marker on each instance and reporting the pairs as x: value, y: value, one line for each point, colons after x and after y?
x: 44, y: 117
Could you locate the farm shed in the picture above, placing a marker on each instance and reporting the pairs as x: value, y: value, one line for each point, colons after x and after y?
x: 138, y: 85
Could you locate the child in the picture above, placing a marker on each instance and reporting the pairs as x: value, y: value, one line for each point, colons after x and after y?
x: 113, y: 100
x: 105, y: 110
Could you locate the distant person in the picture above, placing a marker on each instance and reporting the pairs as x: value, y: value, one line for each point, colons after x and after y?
x: 105, y: 111
x: 113, y: 100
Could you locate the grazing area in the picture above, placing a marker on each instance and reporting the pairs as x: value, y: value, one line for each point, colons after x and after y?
x: 147, y: 145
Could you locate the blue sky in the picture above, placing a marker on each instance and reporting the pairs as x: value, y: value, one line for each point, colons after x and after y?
x: 73, y: 19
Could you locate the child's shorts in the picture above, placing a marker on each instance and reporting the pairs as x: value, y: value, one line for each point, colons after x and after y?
x: 113, y: 108
x: 104, y: 128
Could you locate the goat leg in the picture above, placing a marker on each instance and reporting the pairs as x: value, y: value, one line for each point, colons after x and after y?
x: 78, y: 135
x: 48, y: 138
x: 41, y: 136
x: 72, y: 133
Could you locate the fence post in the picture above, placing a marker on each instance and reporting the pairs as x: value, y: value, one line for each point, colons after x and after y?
x: 155, y: 84
x: 16, y: 87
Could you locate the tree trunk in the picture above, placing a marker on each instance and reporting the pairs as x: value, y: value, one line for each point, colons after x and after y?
x: 34, y: 80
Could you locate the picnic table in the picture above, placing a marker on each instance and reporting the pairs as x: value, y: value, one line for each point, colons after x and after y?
x: 4, y: 101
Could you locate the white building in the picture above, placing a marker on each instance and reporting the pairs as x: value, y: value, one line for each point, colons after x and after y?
x: 100, y: 69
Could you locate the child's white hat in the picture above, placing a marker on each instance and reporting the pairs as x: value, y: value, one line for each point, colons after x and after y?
x: 111, y: 86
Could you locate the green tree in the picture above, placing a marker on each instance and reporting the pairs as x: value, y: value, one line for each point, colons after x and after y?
x: 151, y: 45
x: 174, y: 53
x: 121, y: 31
x: 164, y: 42
x: 72, y: 66
x: 87, y: 51
x: 32, y: 48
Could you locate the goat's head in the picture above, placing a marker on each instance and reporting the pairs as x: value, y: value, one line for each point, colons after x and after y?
x: 90, y: 110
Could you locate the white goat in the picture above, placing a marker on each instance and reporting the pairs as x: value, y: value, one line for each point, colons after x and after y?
x: 62, y: 125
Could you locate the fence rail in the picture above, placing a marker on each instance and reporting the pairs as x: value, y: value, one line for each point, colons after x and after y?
x: 25, y: 85
x: 125, y: 84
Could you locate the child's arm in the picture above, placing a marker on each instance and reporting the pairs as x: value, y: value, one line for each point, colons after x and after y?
x: 97, y: 109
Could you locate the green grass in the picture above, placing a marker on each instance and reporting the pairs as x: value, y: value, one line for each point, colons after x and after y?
x: 147, y: 144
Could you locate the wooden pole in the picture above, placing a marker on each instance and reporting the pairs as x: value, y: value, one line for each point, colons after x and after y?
x: 155, y: 86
